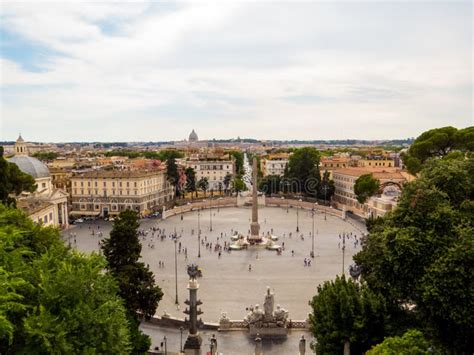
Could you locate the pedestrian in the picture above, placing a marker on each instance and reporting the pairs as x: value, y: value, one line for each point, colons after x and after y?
x: 250, y: 267
x: 305, y: 262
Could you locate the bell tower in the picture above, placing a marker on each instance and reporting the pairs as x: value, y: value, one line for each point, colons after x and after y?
x: 21, y: 147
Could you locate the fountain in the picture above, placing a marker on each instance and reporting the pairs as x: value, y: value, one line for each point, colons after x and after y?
x: 267, y: 322
x: 255, y: 239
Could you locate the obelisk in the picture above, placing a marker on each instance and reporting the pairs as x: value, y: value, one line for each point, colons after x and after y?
x: 254, y: 226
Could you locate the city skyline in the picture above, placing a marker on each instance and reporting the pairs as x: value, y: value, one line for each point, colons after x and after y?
x: 275, y: 71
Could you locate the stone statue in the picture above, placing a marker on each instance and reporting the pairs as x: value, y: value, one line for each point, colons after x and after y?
x: 281, y: 316
x: 267, y: 321
x: 255, y: 316
x: 302, y: 345
x: 268, y: 305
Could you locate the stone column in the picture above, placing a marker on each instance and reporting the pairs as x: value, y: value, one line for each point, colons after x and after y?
x: 254, y: 226
x: 192, y: 346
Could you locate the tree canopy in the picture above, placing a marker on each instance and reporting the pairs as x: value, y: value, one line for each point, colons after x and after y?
x: 190, y: 180
x: 303, y: 169
x: 136, y: 282
x: 238, y: 185
x: 270, y: 184
x: 172, y: 173
x: 326, y: 187
x: 13, y: 181
x: 420, y: 254
x: 438, y: 143
x: 345, y: 311
x: 53, y: 299
x: 412, y: 342
x: 365, y: 187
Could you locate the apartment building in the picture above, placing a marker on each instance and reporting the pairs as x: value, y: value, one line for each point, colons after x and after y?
x: 103, y: 193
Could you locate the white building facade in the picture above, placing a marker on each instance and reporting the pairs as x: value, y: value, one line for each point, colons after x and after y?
x: 215, y: 171
x: 104, y: 193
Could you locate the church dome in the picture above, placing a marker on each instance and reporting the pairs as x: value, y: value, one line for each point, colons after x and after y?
x: 30, y: 166
x: 193, y: 137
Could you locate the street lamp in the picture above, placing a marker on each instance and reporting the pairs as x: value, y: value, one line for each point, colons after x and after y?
x: 210, y: 214
x: 164, y: 342
x: 176, y: 269
x: 312, y: 236
x: 325, y: 200
x: 298, y: 216
x: 343, y: 250
x: 199, y: 233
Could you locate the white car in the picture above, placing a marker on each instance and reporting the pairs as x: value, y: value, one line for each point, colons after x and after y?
x: 79, y: 220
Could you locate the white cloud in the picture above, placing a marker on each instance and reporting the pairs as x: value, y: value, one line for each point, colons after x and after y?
x: 152, y: 71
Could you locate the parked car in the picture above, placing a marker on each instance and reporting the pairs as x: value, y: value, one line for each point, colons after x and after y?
x: 79, y: 220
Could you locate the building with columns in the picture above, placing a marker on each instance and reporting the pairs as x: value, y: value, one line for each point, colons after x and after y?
x: 47, y: 205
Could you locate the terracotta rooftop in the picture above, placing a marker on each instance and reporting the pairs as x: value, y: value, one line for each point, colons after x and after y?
x: 124, y: 174
x: 379, y: 173
x: 32, y: 205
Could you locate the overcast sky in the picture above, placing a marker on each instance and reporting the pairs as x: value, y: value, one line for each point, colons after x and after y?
x: 99, y: 71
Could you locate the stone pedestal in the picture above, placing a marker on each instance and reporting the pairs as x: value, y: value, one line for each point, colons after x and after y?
x: 192, y: 346
x: 270, y: 331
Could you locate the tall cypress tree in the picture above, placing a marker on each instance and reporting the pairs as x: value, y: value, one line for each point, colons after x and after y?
x: 172, y: 173
x: 136, y: 282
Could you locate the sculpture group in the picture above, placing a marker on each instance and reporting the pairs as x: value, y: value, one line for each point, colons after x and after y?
x: 267, y: 321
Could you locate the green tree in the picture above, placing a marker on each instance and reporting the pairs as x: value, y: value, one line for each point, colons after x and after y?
x: 365, y: 187
x: 172, y: 174
x: 420, y: 254
x: 238, y: 185
x: 190, y: 180
x: 136, y: 282
x: 326, y: 188
x: 13, y: 181
x: 52, y: 299
x: 227, y: 181
x: 270, y: 184
x: 437, y: 143
x: 345, y: 311
x: 412, y: 342
x: 79, y: 310
x: 303, y: 168
x: 203, y: 184
x: 47, y: 156
x: 239, y: 162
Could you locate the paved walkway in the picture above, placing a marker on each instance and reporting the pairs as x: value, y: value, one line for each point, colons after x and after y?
x: 230, y: 343
x: 227, y: 284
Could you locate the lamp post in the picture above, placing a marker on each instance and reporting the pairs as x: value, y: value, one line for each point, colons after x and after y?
x: 176, y: 269
x: 210, y: 214
x: 298, y: 216
x: 325, y: 202
x: 312, y: 235
x: 199, y: 233
x: 343, y: 250
x: 166, y: 348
